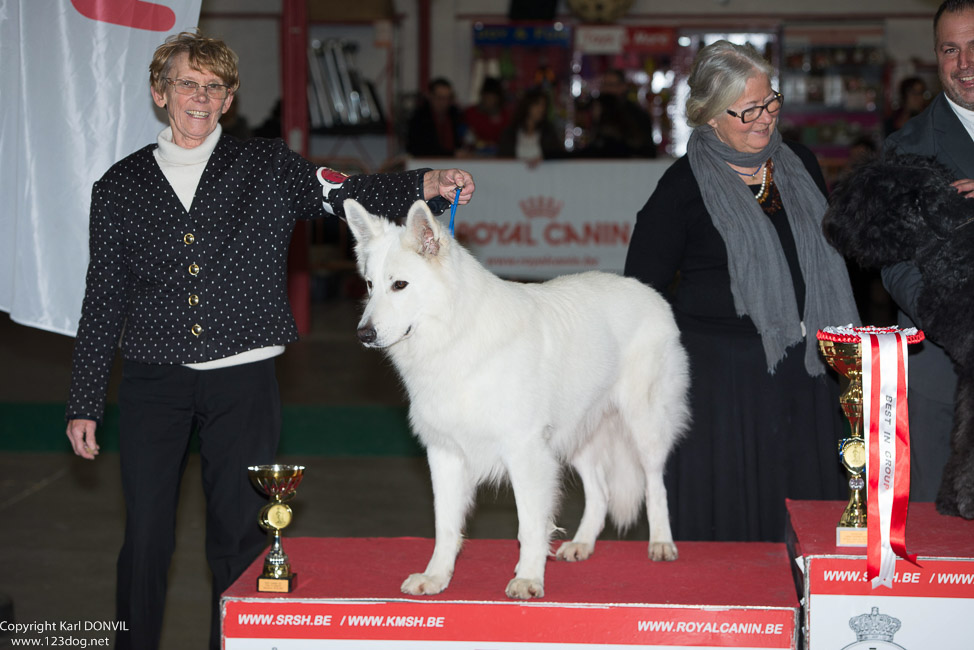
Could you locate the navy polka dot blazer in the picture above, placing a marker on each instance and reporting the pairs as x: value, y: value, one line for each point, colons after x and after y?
x: 194, y: 286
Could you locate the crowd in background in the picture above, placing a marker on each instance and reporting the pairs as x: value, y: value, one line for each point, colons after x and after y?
x: 524, y: 125
x: 523, y: 128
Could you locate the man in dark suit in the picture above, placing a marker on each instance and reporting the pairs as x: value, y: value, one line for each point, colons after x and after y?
x: 944, y: 130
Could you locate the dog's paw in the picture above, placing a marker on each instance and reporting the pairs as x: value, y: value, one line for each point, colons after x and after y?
x: 524, y: 589
x: 964, y: 484
x: 662, y: 551
x: 947, y: 507
x: 574, y: 551
x: 965, y: 506
x: 420, y: 584
x: 947, y: 500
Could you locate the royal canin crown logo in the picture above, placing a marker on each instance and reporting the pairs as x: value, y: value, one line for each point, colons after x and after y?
x: 541, y: 206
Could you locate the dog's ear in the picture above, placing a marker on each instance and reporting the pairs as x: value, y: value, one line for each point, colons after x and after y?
x: 424, y: 233
x: 362, y: 224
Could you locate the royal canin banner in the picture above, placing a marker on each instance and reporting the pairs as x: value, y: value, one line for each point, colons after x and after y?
x: 74, y: 99
x: 516, y: 625
x: 535, y: 223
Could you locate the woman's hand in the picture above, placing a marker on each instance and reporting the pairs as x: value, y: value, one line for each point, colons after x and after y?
x: 444, y: 182
x: 81, y: 433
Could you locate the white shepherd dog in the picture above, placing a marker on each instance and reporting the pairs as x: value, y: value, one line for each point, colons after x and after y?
x: 510, y: 379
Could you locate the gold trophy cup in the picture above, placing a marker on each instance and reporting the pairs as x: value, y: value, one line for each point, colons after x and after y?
x: 846, y: 359
x: 279, y: 482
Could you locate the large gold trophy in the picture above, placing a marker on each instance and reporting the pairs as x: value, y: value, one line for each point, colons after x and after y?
x: 842, y: 349
x: 280, y: 482
x: 846, y: 359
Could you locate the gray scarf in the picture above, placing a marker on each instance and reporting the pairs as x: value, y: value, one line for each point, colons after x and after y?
x: 760, y: 279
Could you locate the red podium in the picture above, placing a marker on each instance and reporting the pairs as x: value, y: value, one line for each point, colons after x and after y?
x: 929, y: 606
x: 717, y: 595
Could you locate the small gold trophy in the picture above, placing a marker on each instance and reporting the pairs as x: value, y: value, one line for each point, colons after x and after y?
x: 846, y: 359
x: 280, y: 482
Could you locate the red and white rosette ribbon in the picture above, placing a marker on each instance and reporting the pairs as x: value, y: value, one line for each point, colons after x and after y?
x: 886, y: 428
x: 330, y: 180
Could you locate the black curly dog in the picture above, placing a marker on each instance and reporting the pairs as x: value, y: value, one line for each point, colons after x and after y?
x: 902, y: 208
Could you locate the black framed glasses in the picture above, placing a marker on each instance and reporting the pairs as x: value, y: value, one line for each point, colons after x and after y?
x: 187, y: 87
x: 748, y: 115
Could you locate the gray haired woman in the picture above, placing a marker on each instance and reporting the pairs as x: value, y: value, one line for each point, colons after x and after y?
x: 737, y: 222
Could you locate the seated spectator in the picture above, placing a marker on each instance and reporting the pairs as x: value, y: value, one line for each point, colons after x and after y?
x: 531, y: 136
x: 233, y: 123
x: 862, y: 150
x: 610, y: 128
x: 271, y: 127
x: 488, y: 118
x: 436, y: 127
x: 625, y: 128
x: 914, y: 97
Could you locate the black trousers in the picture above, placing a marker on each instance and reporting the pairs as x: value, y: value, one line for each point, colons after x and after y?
x: 236, y: 412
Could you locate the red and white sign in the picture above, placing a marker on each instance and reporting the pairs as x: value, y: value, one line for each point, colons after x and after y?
x: 592, y: 39
x: 348, y: 596
x: 651, y: 40
x: 935, y: 579
x: 930, y: 605
x: 74, y: 99
x: 530, y: 625
x: 616, y: 39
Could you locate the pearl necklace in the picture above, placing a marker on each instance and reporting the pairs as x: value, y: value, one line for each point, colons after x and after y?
x: 761, y: 196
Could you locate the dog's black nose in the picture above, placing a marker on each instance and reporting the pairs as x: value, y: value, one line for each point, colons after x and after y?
x: 366, y: 334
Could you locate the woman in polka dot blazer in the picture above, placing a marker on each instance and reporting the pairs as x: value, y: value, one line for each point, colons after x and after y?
x: 188, y: 254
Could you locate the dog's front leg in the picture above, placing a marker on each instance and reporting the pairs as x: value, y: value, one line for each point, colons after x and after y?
x: 534, y: 477
x: 453, y: 491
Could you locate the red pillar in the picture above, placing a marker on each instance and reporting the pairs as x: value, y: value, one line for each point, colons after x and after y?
x: 424, y: 29
x: 294, y: 122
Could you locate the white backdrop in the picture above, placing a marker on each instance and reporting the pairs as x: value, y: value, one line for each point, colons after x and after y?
x: 74, y: 99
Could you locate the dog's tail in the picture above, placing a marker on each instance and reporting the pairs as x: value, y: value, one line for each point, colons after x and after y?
x: 625, y: 480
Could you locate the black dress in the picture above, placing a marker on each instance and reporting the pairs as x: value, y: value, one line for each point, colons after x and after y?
x: 756, y: 438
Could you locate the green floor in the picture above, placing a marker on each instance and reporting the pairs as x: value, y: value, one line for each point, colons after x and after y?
x: 307, y: 430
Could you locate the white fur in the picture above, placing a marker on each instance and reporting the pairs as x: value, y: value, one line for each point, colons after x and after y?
x: 514, y: 380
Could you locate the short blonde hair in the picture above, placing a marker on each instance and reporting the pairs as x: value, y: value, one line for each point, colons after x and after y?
x: 209, y: 54
x: 719, y: 74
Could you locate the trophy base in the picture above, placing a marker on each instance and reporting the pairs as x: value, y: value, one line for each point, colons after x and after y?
x: 277, y: 585
x: 848, y: 536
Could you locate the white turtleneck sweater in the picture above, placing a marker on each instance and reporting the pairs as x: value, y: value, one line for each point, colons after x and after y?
x: 183, y: 169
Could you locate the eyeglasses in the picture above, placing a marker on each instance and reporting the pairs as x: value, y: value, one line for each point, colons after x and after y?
x: 748, y: 115
x: 187, y: 87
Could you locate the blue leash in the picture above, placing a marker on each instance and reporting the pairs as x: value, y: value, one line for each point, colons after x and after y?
x: 453, y: 209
